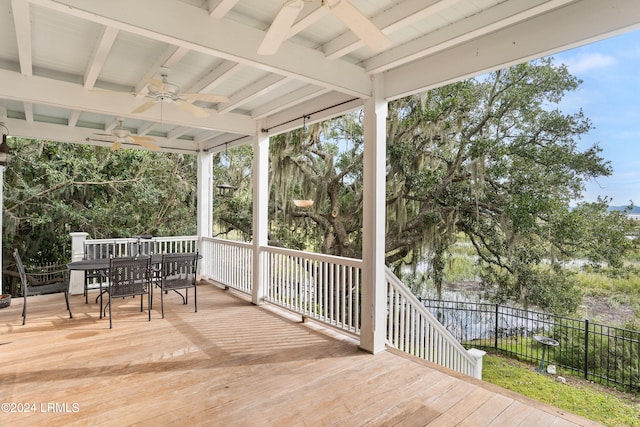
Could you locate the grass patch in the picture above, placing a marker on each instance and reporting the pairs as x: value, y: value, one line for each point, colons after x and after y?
x: 580, y: 397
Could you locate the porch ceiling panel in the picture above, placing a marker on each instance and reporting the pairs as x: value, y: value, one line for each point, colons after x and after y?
x: 68, y: 67
x: 563, y: 28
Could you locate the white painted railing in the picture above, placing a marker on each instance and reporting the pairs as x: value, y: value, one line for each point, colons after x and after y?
x: 104, y: 248
x: 322, y: 287
x: 414, y: 330
x: 228, y: 263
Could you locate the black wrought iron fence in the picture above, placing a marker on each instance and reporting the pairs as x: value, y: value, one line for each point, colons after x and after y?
x: 600, y: 353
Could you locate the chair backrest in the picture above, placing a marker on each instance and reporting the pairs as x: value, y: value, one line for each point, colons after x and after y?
x: 179, y: 269
x: 129, y: 276
x: 22, y: 273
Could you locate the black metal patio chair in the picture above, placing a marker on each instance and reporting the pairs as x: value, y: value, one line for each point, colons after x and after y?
x: 128, y: 276
x: 92, y: 278
x: 42, y: 281
x: 178, y: 272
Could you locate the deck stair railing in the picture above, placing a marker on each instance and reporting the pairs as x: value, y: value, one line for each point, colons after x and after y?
x: 414, y: 330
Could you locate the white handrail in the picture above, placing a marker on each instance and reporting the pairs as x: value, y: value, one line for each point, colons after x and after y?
x: 414, y: 330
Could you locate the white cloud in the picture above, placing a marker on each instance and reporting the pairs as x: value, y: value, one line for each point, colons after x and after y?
x: 587, y: 62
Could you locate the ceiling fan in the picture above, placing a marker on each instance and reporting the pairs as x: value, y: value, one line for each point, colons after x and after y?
x: 346, y: 12
x: 161, y: 90
x: 121, y: 135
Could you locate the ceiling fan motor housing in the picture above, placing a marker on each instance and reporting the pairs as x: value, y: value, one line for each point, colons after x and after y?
x: 168, y: 91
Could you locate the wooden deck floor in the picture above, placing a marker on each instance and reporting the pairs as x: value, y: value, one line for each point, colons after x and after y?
x: 230, y: 364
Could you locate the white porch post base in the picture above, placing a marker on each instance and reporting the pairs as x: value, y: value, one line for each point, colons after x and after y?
x: 478, y: 355
x: 76, y: 285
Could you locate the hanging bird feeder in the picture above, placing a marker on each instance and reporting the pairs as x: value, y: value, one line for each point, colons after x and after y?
x: 225, y: 190
x: 303, y: 203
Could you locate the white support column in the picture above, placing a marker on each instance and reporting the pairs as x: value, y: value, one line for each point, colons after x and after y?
x: 205, y: 195
x: 260, y: 212
x: 76, y: 284
x: 372, y: 331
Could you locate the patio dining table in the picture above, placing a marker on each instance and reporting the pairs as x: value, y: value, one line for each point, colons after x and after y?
x: 102, y: 264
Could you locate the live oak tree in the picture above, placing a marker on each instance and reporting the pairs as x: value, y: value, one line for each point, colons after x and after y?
x: 490, y: 158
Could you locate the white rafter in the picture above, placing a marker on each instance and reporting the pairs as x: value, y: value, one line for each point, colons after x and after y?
x: 217, y: 77
x: 22, y: 23
x: 253, y: 91
x: 219, y: 8
x: 100, y: 55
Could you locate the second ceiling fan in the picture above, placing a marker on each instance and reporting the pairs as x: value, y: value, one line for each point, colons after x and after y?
x: 120, y: 136
x: 161, y: 90
x: 346, y: 12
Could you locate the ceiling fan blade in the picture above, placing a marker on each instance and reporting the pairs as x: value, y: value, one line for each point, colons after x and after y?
x: 279, y: 29
x: 360, y: 25
x: 206, y: 97
x: 158, y: 85
x: 143, y: 138
x: 116, y: 145
x: 144, y: 107
x: 143, y: 141
x: 192, y: 109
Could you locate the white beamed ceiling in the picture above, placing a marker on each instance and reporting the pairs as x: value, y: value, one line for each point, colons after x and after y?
x: 69, y: 68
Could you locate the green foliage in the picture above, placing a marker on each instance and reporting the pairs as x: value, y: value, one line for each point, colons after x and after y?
x: 53, y: 188
x: 587, y: 400
x: 613, y: 353
x: 533, y: 285
x: 232, y: 213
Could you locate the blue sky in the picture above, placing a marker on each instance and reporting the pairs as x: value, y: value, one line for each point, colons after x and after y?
x: 610, y: 98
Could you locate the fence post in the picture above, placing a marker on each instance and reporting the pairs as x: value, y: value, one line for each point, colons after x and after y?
x: 586, y: 348
x: 495, y: 344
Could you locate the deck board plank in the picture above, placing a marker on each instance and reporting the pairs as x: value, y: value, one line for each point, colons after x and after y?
x: 231, y: 363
